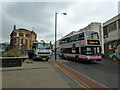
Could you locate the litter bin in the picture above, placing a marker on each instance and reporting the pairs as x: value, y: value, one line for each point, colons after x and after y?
x: 30, y: 54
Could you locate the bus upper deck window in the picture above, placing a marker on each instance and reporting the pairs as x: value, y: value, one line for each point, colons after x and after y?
x: 95, y: 36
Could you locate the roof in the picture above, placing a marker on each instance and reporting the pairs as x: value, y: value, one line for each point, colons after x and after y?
x: 22, y: 29
x: 113, y: 19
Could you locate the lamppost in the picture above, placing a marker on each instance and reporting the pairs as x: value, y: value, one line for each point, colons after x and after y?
x: 56, y: 30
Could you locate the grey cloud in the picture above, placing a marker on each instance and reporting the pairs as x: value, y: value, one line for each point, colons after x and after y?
x: 119, y: 7
x: 91, y: 11
x: 41, y: 16
x: 34, y: 12
x: 29, y: 14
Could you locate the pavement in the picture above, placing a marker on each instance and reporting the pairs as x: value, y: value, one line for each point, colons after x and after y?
x: 39, y: 74
x: 43, y: 74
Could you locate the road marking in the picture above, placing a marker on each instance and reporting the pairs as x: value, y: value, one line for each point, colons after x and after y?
x: 71, y: 76
x: 81, y: 84
x: 88, y: 77
x: 67, y: 71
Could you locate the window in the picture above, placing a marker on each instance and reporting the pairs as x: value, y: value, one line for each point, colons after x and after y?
x: 67, y: 40
x: 66, y: 50
x: 17, y: 41
x: 23, y: 41
x: 119, y: 23
x: 27, y: 35
x: 89, y: 50
x: 62, y: 41
x: 26, y: 41
x: 83, y: 50
x: 111, y: 27
x: 17, y: 34
x: 114, y: 26
x: 43, y: 46
x: 75, y: 37
x: 93, y: 50
x: 20, y: 34
x: 81, y: 36
x: 105, y: 32
x: 72, y: 38
x: 23, y: 34
x: 62, y: 50
x: 95, y: 36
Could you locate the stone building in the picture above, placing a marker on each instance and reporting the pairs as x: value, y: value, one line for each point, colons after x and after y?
x: 22, y: 38
x: 111, y: 30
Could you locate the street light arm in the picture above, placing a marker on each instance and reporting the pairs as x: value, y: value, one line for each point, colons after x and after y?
x: 64, y: 13
x: 61, y: 13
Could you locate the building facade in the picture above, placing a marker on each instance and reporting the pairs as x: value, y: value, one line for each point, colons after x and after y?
x: 93, y: 26
x: 111, y: 34
x: 22, y: 38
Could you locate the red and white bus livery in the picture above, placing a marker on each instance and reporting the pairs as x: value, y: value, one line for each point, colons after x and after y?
x: 84, y: 46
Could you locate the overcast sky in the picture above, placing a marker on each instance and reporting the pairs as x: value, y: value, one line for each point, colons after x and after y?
x: 41, y: 16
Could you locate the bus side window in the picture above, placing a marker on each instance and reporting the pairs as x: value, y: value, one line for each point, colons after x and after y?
x: 79, y: 50
x: 81, y: 36
x: 83, y: 50
x: 61, y: 50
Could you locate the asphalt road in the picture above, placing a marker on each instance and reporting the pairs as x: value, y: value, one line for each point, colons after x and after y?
x: 105, y: 72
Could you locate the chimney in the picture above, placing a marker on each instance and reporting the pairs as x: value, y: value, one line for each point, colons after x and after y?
x: 14, y: 26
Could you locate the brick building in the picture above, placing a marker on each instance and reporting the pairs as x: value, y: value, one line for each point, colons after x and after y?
x: 22, y: 38
x: 111, y: 34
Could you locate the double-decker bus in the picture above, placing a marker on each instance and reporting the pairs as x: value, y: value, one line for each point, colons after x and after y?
x: 84, y: 46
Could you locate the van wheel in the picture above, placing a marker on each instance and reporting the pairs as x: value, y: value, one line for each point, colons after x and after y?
x: 47, y: 59
x: 63, y: 56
